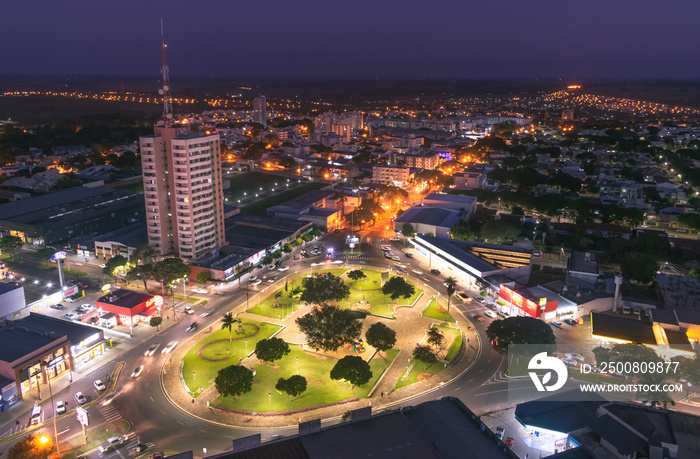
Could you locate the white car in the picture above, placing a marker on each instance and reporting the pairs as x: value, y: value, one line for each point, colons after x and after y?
x: 199, y: 290
x: 69, y: 300
x: 569, y: 362
x: 152, y: 349
x: 490, y: 314
x: 171, y: 345
x: 137, y: 371
x: 99, y: 385
x: 283, y: 268
x: 112, y: 443
x: 80, y: 398
x: 386, y: 248
x: 252, y: 278
x: 271, y: 280
x: 70, y: 316
x: 60, y: 407
x: 189, y: 310
x: 256, y: 282
x: 574, y: 356
x: 103, y: 266
x: 205, y: 313
x: 87, y: 307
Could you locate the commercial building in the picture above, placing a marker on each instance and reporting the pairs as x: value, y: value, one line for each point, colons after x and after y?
x: 38, y: 348
x: 11, y: 298
x: 57, y: 217
x: 428, y: 220
x: 462, y: 203
x: 582, y: 269
x: 126, y: 307
x: 260, y: 110
x: 120, y: 242
x: 537, y: 302
x: 469, y: 180
x: 475, y: 263
x: 429, y: 160
x: 318, y: 207
x: 183, y: 192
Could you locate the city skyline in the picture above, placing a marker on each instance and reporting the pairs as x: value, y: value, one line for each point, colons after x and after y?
x: 408, y: 40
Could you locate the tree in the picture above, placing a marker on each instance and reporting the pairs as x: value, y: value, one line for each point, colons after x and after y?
x: 10, y: 245
x: 234, y: 380
x: 145, y: 253
x: 356, y: 274
x: 497, y: 232
x: 271, y: 349
x: 329, y: 327
x: 169, y: 270
x: 32, y: 447
x: 450, y: 287
x: 435, y: 338
x: 398, y: 287
x: 640, y: 267
x: 266, y: 260
x: 294, y: 385
x: 408, y: 230
x: 519, y: 330
x: 352, y: 369
x: 322, y: 288
x: 298, y: 242
x: 287, y: 248
x: 114, y: 265
x: 227, y: 322
x: 142, y: 273
x: 155, y: 322
x: 380, y: 337
x: 425, y: 354
x: 203, y: 277
x: 289, y: 163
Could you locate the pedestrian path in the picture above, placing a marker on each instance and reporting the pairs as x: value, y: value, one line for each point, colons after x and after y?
x: 109, y: 413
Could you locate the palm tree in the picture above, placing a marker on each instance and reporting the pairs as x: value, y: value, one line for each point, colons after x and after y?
x: 145, y: 253
x: 451, y: 285
x: 344, y: 197
x: 227, y: 322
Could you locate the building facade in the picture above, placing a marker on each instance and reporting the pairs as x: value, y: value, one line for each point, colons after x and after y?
x: 391, y: 175
x: 260, y: 110
x: 183, y: 191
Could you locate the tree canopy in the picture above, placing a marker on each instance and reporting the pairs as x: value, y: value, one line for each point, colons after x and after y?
x: 293, y: 386
x: 324, y: 288
x: 114, y: 264
x: 169, y: 270
x: 519, y: 330
x: 10, y: 245
x: 425, y: 354
x: 380, y: 337
x: 398, y: 287
x: 271, y: 349
x: 234, y: 380
x: 329, y: 327
x: 640, y: 267
x: 353, y: 369
x: 356, y: 274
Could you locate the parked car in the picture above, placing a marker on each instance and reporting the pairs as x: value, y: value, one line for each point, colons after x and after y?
x: 626, y: 309
x: 99, y: 385
x: 509, y: 442
x: 500, y: 432
x: 409, y: 255
x: 82, y: 285
x: 557, y: 324
x: 271, y: 280
x: 569, y: 362
x: 503, y: 314
x: 191, y: 327
x: 305, y: 255
x: 70, y: 315
x: 80, y: 398
x: 199, y: 290
x: 56, y: 306
x: 490, y: 314
x: 87, y: 307
x: 189, y: 310
x: 112, y: 443
x: 574, y: 356
x: 171, y: 345
x: 60, y: 407
x: 571, y: 322
x: 69, y: 300
x: 137, y: 371
x: 637, y: 311
x: 103, y: 266
x: 152, y: 349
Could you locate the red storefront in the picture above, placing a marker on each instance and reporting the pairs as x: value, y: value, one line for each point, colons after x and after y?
x: 529, y: 302
x: 129, y: 307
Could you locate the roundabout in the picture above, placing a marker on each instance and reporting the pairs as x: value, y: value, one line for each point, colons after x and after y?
x: 187, y: 377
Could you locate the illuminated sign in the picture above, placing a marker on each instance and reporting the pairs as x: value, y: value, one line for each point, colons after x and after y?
x: 106, y: 287
x: 82, y: 415
x: 58, y: 256
x: 158, y: 300
x: 543, y: 303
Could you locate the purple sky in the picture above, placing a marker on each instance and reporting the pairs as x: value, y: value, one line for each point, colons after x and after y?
x: 365, y: 38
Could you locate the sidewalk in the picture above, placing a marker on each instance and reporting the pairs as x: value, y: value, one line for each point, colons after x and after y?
x: 410, y: 327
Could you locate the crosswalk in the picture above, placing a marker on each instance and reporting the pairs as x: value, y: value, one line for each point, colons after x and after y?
x: 362, y: 257
x: 109, y: 413
x: 14, y: 430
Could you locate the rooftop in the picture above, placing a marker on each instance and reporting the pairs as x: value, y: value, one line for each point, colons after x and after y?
x: 8, y: 287
x: 125, y: 298
x: 583, y: 262
x: 131, y: 235
x: 429, y: 216
x: 622, y: 328
x: 307, y: 199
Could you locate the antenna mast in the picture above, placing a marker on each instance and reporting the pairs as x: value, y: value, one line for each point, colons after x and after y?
x: 165, y: 90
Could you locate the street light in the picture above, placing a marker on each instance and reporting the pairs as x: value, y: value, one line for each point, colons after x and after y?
x: 194, y: 385
x: 297, y: 365
x: 269, y: 398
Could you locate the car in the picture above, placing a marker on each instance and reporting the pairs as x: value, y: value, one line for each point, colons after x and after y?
x: 435, y: 271
x: 69, y: 300
x: 478, y: 317
x: 205, y: 313
x: 60, y: 407
x: 99, y: 385
x: 574, y: 356
x: 112, y: 443
x: 409, y: 255
x: 36, y: 415
x: 137, y: 371
x: 569, y: 362
x: 500, y: 432
x: 56, y: 306
x: 637, y: 311
x: 557, y: 324
x: 70, y: 315
x: 305, y: 255
x: 80, y: 398
x: 171, y: 345
x: 626, y: 309
x: 283, y: 268
x: 490, y: 314
x: 462, y: 296
x: 199, y: 290
x: 87, y: 307
x: 386, y: 248
x: 503, y: 314
x: 491, y: 306
x: 138, y: 449
x: 152, y: 349
x: 647, y: 312
x: 509, y: 442
x: 103, y: 266
x: 82, y: 285
x: 191, y: 327
x: 570, y: 322
x: 256, y: 282
x: 188, y: 310
x: 271, y: 280
x: 108, y: 398
x: 93, y: 320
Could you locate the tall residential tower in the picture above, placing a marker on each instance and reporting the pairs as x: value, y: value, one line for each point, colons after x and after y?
x: 182, y: 186
x: 260, y: 110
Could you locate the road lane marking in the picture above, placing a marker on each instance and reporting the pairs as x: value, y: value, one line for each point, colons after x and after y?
x: 458, y: 388
x: 180, y: 423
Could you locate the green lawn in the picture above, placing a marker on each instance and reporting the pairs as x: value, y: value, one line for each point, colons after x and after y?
x: 96, y: 436
x: 418, y: 369
x: 432, y: 312
x: 371, y: 292
x: 456, y: 336
x: 285, y: 304
x: 75, y: 272
x: 205, y: 371
x: 320, y: 390
x: 453, y: 337
x: 250, y: 182
x: 259, y: 206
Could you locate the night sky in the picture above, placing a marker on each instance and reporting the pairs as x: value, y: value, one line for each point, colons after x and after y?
x: 355, y: 39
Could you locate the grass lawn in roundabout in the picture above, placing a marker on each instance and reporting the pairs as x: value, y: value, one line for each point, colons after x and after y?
x: 321, y: 389
x: 438, y: 312
x: 417, y: 370
x: 220, y: 353
x: 370, y: 290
